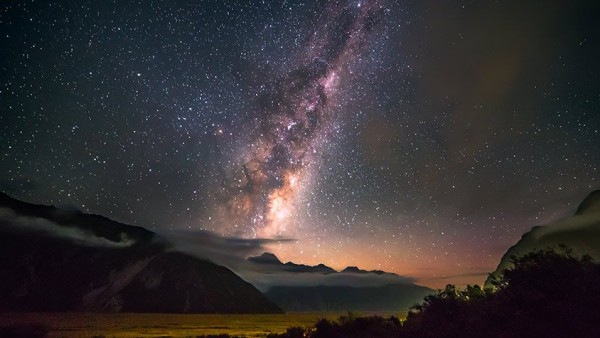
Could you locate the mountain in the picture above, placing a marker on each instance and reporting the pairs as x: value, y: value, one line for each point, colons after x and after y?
x: 590, y: 205
x: 321, y: 288
x: 354, y: 269
x: 391, y: 297
x: 321, y: 268
x: 73, y: 221
x: 58, y: 260
x: 266, y: 258
x: 274, y: 262
x: 271, y: 260
x: 580, y: 232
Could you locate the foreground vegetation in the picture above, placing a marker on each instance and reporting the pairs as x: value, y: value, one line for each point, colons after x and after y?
x: 545, y: 294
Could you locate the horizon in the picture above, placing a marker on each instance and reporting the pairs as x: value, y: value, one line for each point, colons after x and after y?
x: 417, y: 138
x: 251, y: 259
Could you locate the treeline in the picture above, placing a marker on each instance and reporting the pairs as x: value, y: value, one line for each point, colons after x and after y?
x: 547, y: 294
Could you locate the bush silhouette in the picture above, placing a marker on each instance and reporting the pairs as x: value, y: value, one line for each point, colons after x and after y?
x: 546, y: 293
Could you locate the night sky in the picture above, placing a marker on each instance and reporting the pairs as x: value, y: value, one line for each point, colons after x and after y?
x: 417, y: 137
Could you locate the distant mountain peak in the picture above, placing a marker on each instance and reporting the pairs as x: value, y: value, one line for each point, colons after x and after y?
x: 271, y: 259
x: 580, y: 233
x: 354, y: 269
x: 265, y: 258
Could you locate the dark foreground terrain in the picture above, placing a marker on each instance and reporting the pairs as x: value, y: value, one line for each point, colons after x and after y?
x: 545, y: 294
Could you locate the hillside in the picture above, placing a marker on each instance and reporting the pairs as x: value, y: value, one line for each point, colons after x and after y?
x: 58, y: 260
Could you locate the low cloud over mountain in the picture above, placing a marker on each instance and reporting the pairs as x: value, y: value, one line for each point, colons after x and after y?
x: 58, y: 260
x: 580, y: 232
x: 273, y: 272
x: 89, y: 262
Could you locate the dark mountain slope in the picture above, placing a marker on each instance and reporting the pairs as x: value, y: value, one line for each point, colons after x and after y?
x: 57, y: 260
x: 96, y: 224
x: 580, y: 232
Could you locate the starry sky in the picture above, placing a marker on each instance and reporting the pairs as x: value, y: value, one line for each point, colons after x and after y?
x: 417, y: 137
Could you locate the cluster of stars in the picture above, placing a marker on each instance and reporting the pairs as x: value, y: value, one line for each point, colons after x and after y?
x: 415, y: 138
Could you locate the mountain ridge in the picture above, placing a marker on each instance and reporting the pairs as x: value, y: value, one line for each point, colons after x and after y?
x: 55, y: 260
x: 580, y: 233
x: 272, y: 260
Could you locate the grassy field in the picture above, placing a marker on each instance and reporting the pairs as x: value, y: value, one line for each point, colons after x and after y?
x: 167, y: 325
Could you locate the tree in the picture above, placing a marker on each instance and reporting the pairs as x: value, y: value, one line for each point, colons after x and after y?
x: 547, y: 293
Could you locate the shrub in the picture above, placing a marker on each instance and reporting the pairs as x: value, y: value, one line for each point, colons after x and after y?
x: 546, y: 294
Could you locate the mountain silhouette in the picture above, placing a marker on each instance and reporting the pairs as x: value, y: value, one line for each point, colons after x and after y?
x: 270, y: 259
x: 58, y: 260
x: 580, y: 233
x: 391, y: 292
x: 354, y: 269
x: 266, y: 258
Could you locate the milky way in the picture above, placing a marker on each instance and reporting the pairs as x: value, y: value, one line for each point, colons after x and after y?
x: 418, y: 137
x: 296, y: 116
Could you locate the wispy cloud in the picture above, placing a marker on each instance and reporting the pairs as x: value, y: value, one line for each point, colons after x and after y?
x: 580, y: 232
x: 10, y: 220
x: 232, y: 252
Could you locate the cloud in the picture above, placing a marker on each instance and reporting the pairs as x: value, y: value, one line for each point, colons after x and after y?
x: 232, y: 252
x: 263, y: 279
x: 11, y: 220
x: 580, y: 232
x: 483, y: 80
x: 228, y: 251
